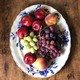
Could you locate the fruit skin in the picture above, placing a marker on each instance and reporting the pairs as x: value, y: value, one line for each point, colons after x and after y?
x: 32, y: 34
x: 35, y: 47
x: 51, y: 19
x: 26, y: 21
x: 35, y: 39
x: 23, y: 31
x: 22, y: 41
x: 32, y: 43
x: 27, y: 48
x: 37, y: 25
x: 28, y: 38
x: 40, y: 14
x: 32, y: 50
x: 40, y: 64
x: 29, y: 58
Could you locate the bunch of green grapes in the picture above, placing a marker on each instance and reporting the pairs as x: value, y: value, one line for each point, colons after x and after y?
x: 29, y: 43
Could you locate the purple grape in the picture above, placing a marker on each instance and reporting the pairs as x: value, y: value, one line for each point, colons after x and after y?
x: 47, y: 50
x: 54, y: 37
x: 47, y: 55
x: 51, y: 35
x: 58, y: 45
x: 43, y: 38
x: 47, y: 30
x: 42, y: 49
x: 51, y: 51
x: 47, y: 42
x: 49, y: 39
x: 54, y: 55
x: 42, y: 33
x: 43, y: 45
x: 51, y: 55
x: 52, y: 47
x: 47, y: 36
x: 51, y: 28
x: 55, y: 50
x: 40, y: 38
x: 47, y: 46
x: 43, y: 41
x: 59, y: 53
x: 40, y: 52
x: 52, y: 42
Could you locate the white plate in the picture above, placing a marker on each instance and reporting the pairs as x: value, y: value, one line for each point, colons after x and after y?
x: 17, y: 50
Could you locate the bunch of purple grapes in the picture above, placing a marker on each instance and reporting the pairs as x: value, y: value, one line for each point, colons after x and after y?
x: 50, y: 42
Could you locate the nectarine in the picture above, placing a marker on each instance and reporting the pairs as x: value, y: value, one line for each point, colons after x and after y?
x: 51, y: 19
x: 40, y: 64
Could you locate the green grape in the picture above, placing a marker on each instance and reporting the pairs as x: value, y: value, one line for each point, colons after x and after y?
x: 26, y: 43
x: 35, y: 47
x: 32, y: 50
x: 35, y: 36
x: 28, y: 38
x: 25, y: 38
x: 32, y: 34
x: 22, y: 41
x: 35, y: 39
x: 27, y: 48
x: 32, y: 43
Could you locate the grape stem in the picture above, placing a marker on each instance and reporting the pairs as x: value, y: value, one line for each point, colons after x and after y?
x: 41, y: 31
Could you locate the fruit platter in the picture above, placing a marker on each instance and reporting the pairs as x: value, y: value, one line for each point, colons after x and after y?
x: 40, y: 41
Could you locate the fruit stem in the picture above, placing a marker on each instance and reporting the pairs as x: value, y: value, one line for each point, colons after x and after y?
x: 41, y: 31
